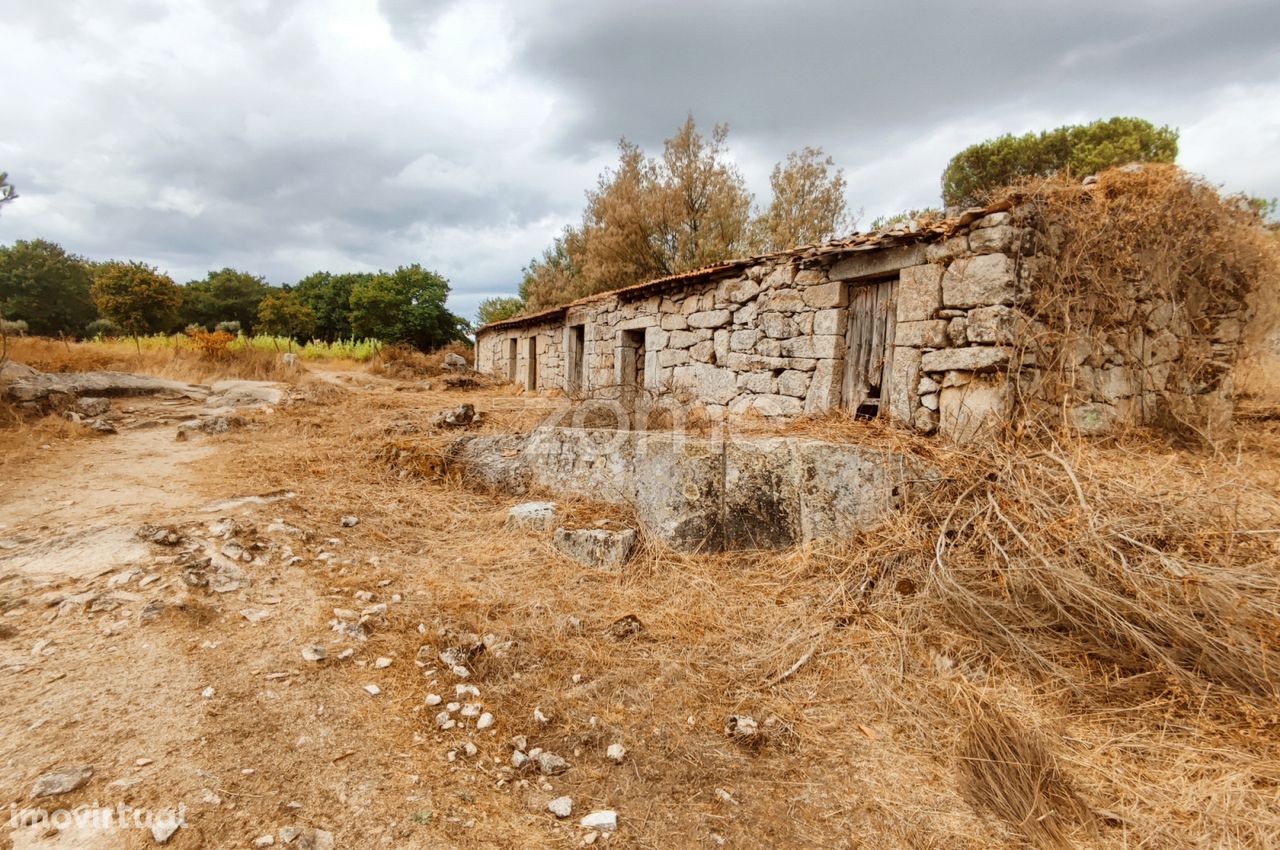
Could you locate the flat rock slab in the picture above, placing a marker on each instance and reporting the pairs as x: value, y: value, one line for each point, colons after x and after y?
x: 41, y: 385
x: 246, y: 394
x: 64, y: 780
x: 82, y: 553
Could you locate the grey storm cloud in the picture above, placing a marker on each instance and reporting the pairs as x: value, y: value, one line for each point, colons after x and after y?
x: 284, y: 136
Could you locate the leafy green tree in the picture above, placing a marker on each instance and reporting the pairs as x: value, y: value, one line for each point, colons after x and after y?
x: 406, y: 305
x: 226, y: 295
x: 43, y: 285
x: 1076, y: 149
x: 103, y: 328
x: 137, y: 297
x: 329, y: 297
x: 283, y: 314
x: 498, y: 308
x: 7, y: 192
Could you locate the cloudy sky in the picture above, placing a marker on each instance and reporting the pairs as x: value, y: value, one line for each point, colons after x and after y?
x: 287, y: 136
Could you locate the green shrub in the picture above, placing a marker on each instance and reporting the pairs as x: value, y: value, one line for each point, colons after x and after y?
x: 232, y: 328
x: 1075, y: 149
x: 102, y: 328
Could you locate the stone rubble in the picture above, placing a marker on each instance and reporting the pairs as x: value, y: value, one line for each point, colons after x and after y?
x: 62, y: 781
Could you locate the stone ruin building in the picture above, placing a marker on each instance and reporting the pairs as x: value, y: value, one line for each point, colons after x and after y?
x: 928, y: 326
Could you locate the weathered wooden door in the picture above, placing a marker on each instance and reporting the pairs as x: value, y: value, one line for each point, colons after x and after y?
x: 868, y: 363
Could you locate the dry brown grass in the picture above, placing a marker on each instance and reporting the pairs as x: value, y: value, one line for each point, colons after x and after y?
x: 51, y: 355
x: 1115, y: 600
x: 406, y: 362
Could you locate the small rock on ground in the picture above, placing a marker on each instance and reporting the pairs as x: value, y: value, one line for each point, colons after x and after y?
x: 532, y: 516
x: 64, y: 780
x: 606, y: 820
x: 561, y: 807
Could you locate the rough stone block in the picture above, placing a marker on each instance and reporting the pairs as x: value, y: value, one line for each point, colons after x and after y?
x: 872, y: 263
x: 702, y: 351
x: 780, y: 276
x: 974, y: 359
x: 834, y: 321
x: 1002, y: 239
x: 824, y: 296
x: 709, y: 319
x: 819, y: 347
x: 738, y: 290
x: 673, y: 357
x: 684, y: 339
x: 902, y: 383
x: 998, y: 324
x: 783, y: 300
x: 927, y: 334
x: 710, y: 383
x: 532, y: 516
x: 776, y: 325
x: 769, y: 347
x: 947, y: 249
x: 746, y: 314
x: 674, y: 322
x: 974, y: 410
x: 767, y: 405
x: 919, y: 292
x: 794, y: 383
x: 596, y: 547
x: 743, y: 340
x: 756, y: 382
x: 979, y: 281
x: 825, y: 387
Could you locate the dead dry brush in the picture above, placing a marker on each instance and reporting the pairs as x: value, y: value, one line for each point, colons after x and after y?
x: 1141, y: 252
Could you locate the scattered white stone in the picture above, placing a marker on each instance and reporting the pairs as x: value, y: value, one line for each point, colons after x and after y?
x: 467, y: 690
x: 444, y: 721
x: 350, y: 521
x: 346, y: 653
x: 472, y: 709
x: 314, y: 652
x: 460, y: 671
x: 364, y: 595
x: 550, y: 764
x: 453, y: 706
x: 519, y: 742
x: 62, y: 781
x: 207, y: 693
x: 470, y: 749
x: 561, y: 807
x: 434, y: 699
x: 164, y: 828
x: 264, y: 841
x: 143, y: 762
x: 590, y: 838
x: 741, y: 726
x: 255, y: 615
x: 539, y: 716
x: 382, y: 663
x: 289, y: 833
x: 372, y: 690
x: 616, y: 753
x: 485, y: 721
x: 606, y: 820
x: 519, y: 759
x: 532, y: 516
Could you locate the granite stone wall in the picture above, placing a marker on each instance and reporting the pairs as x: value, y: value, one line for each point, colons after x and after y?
x: 778, y: 337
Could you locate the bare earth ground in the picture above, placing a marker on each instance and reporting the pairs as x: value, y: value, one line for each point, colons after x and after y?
x: 106, y: 654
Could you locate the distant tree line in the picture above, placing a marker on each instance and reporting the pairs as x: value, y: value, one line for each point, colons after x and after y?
x: 54, y: 292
